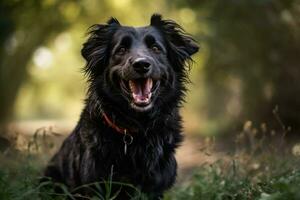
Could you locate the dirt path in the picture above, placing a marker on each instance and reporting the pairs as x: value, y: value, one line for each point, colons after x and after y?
x: 193, y: 152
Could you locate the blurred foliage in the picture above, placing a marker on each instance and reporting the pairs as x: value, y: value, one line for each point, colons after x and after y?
x: 253, y: 64
x: 249, y: 65
x: 26, y: 25
x: 52, y: 85
x: 249, y: 61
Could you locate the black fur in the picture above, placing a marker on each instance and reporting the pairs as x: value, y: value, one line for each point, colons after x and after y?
x: 94, y: 151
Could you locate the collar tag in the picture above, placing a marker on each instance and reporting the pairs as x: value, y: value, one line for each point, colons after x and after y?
x: 127, y: 139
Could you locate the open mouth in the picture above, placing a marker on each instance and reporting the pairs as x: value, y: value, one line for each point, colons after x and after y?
x: 141, y: 91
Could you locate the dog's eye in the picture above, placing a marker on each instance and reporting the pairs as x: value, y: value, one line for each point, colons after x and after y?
x: 121, y: 51
x: 155, y: 48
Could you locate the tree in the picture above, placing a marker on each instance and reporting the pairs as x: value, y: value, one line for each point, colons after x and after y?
x: 24, y: 25
x: 254, y: 60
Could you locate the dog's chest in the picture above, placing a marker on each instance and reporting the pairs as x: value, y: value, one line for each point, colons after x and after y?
x: 145, y: 154
x: 145, y: 162
x: 142, y: 153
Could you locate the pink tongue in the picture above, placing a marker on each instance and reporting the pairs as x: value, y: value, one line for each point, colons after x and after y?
x: 141, y: 90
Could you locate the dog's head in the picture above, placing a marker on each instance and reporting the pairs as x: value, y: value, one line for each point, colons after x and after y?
x: 138, y: 68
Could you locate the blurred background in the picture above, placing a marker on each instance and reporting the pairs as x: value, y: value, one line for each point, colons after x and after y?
x: 247, y: 70
x: 242, y: 111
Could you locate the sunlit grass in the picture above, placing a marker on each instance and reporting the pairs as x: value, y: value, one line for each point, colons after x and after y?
x: 262, y: 165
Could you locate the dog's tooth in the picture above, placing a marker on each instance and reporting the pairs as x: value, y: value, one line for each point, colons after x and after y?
x: 131, y: 85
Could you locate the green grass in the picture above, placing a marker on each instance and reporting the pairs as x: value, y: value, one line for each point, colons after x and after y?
x: 262, y: 166
x: 259, y: 168
x: 211, y: 183
x: 19, y: 180
x: 218, y: 181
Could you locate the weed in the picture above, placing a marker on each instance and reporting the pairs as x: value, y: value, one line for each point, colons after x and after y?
x: 262, y: 167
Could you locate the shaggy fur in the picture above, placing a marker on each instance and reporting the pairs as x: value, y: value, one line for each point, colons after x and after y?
x: 117, y: 55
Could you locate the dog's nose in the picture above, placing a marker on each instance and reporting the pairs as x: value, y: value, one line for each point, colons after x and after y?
x: 141, y: 66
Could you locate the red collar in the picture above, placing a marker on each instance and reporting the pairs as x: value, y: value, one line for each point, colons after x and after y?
x: 114, y: 126
x: 127, y: 137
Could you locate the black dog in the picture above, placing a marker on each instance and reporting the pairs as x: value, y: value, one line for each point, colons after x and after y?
x: 130, y: 126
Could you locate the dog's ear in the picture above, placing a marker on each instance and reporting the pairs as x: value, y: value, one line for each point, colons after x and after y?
x: 156, y: 20
x: 174, y: 34
x: 113, y: 21
x: 96, y: 49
